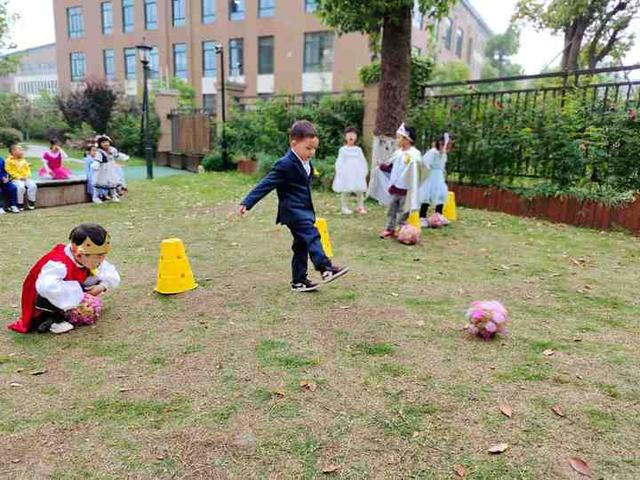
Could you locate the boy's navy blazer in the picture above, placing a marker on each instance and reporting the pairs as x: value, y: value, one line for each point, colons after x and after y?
x: 289, y: 178
x: 3, y: 172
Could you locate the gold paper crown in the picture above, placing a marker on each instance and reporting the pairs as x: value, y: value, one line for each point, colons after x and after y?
x: 89, y: 248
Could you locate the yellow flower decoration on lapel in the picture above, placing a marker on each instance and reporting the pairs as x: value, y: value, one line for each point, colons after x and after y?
x: 315, y: 172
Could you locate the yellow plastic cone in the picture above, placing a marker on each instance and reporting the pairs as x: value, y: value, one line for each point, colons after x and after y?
x: 174, y: 271
x: 323, y: 229
x: 450, y: 208
x: 414, y: 219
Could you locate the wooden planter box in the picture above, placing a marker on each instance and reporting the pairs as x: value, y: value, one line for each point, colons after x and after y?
x: 555, y: 209
x: 176, y: 160
x: 192, y: 162
x: 248, y: 167
x: 162, y: 159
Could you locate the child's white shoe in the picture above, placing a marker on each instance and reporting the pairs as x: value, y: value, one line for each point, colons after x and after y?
x: 96, y: 199
x: 14, y: 209
x: 115, y: 197
x: 61, y: 327
x: 346, y: 211
x: 2, y: 212
x: 424, y: 223
x: 444, y: 220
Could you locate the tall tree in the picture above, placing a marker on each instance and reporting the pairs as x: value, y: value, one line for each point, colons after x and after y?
x: 592, y: 29
x: 498, y: 51
x: 392, y: 20
x: 8, y: 64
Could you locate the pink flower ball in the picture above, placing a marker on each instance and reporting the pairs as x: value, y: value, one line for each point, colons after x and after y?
x: 409, y: 235
x: 435, y: 221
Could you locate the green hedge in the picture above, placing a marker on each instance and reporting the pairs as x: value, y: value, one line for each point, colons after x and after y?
x: 264, y: 129
x: 561, y: 146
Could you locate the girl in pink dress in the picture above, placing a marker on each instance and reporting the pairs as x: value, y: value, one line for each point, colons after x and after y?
x: 52, y: 160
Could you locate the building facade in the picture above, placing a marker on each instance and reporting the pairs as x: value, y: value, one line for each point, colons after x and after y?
x: 270, y: 46
x: 37, y: 73
x: 461, y: 36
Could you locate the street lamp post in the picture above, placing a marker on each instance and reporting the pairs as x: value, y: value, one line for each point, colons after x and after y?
x: 144, y: 53
x: 223, y: 140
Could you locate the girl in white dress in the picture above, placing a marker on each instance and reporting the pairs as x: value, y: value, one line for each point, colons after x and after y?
x: 351, y: 173
x: 433, y: 190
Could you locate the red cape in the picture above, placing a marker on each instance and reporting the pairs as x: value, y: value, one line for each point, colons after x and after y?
x: 29, y: 294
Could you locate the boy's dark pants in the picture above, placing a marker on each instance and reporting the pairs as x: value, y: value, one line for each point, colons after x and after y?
x: 306, y: 243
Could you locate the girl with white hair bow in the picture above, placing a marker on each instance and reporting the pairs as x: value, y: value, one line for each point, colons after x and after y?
x: 433, y: 190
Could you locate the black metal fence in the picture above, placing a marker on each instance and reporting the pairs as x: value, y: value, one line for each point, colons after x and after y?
x: 556, y: 126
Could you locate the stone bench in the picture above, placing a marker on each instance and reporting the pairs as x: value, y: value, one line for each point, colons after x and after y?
x: 54, y: 193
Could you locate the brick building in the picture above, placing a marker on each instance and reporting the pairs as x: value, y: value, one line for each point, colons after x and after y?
x: 270, y: 46
x: 37, y: 72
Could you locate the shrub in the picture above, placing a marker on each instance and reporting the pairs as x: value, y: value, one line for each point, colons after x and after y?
x: 125, y: 128
x: 265, y: 128
x: 266, y: 161
x: 9, y: 136
x: 214, y: 162
x: 46, y: 120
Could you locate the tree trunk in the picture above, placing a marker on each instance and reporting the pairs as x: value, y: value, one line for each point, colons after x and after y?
x: 393, y: 94
x: 394, y: 76
x: 573, y: 37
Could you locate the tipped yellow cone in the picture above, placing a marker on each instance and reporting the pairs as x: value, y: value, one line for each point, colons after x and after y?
x: 414, y: 219
x: 450, y: 208
x: 174, y: 271
x: 323, y: 229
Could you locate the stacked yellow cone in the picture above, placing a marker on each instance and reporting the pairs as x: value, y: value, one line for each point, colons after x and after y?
x: 323, y: 229
x: 414, y: 219
x: 450, y: 208
x: 174, y: 271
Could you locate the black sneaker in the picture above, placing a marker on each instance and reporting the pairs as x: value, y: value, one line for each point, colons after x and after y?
x: 31, y: 205
x: 305, y: 285
x: 332, y: 272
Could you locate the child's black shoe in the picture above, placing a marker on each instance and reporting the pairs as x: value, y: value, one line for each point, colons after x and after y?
x: 332, y: 272
x: 305, y: 285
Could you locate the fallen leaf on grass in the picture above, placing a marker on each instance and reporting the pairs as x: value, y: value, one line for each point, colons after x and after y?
x: 548, y: 353
x: 420, y: 323
x: 580, y: 466
x: 15, y: 384
x: 393, y: 294
x: 308, y: 385
x: 345, y: 307
x: 506, y: 409
x: 557, y: 409
x: 38, y: 372
x: 331, y: 468
x: 460, y: 471
x: 279, y: 393
x: 498, y: 448
x: 125, y: 389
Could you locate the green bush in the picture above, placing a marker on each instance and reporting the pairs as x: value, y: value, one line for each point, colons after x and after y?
x: 265, y: 128
x: 124, y: 129
x: 266, y: 161
x: 564, y: 145
x: 214, y: 162
x: 10, y: 136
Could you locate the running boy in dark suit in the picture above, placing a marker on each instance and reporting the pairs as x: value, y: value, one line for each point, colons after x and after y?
x: 291, y: 178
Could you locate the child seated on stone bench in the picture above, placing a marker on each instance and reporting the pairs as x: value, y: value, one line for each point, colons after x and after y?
x: 20, y: 172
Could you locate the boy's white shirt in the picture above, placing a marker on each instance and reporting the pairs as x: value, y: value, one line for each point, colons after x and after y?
x: 65, y: 294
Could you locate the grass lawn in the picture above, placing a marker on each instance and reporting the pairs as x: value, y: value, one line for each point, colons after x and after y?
x: 207, y: 384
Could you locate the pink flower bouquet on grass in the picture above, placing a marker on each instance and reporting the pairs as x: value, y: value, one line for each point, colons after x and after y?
x: 87, y: 312
x: 486, y: 319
